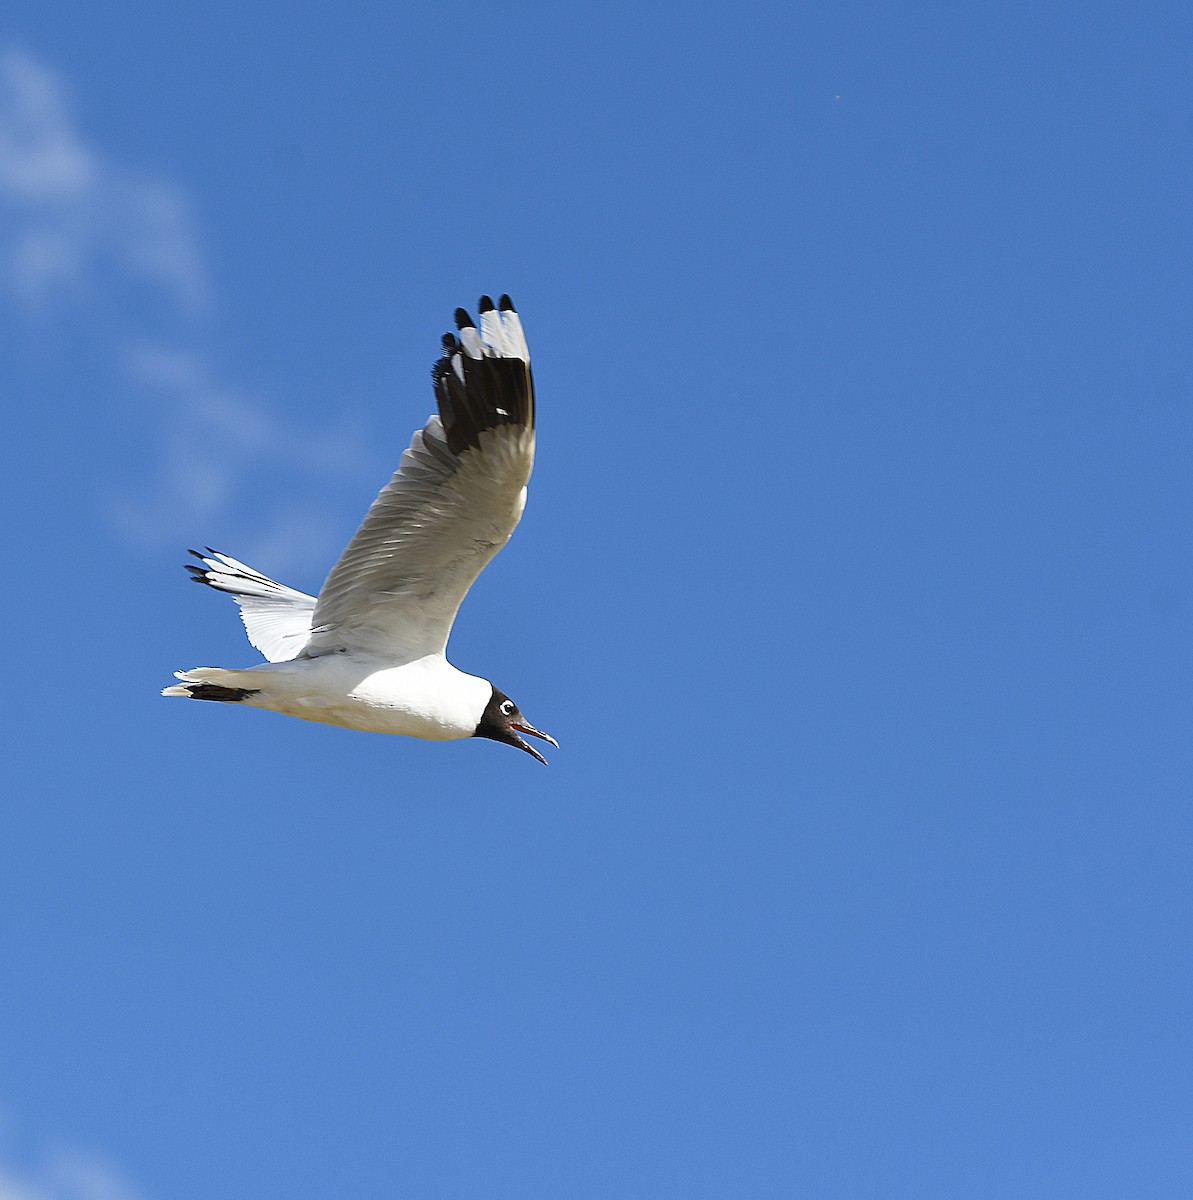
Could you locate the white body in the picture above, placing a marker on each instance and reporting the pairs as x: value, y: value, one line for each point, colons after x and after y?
x: 426, y: 698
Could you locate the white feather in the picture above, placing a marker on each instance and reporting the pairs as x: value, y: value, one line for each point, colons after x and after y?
x: 276, y: 618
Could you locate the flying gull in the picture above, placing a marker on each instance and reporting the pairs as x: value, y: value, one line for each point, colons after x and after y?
x: 369, y: 652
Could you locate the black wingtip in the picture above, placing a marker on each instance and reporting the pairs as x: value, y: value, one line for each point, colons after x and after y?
x: 476, y: 394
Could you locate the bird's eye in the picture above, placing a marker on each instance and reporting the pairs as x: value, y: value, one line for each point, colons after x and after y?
x: 508, y: 708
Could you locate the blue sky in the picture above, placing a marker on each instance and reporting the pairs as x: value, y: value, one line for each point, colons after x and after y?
x: 855, y: 584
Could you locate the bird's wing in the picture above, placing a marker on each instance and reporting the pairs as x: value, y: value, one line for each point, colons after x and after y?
x: 276, y: 618
x: 453, y: 503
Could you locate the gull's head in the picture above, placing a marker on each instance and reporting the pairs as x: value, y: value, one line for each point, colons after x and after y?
x: 503, y: 721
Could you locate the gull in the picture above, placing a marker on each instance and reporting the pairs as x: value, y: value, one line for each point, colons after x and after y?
x: 369, y: 652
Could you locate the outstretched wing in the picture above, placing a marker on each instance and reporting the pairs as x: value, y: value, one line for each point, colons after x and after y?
x: 453, y: 503
x: 276, y: 618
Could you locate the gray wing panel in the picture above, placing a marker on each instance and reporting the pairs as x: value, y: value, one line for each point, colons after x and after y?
x: 455, y: 499
x: 396, y: 588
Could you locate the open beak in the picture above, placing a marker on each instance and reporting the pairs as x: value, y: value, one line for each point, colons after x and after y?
x: 522, y: 744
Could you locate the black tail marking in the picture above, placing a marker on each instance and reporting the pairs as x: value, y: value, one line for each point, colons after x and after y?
x: 216, y: 691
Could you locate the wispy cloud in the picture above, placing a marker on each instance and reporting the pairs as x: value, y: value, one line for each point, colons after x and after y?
x: 212, y: 451
x: 241, y: 426
x: 66, y: 1175
x: 74, y: 214
x: 74, y: 225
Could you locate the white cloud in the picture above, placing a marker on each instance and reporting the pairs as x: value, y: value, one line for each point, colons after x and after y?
x: 238, y: 424
x: 66, y: 1175
x: 215, y: 443
x: 41, y: 157
x: 72, y: 213
x: 73, y: 225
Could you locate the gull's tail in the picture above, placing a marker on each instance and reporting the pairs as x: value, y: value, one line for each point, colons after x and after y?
x: 203, y: 683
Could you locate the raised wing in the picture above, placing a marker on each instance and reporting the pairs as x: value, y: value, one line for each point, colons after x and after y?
x: 453, y: 503
x: 276, y: 618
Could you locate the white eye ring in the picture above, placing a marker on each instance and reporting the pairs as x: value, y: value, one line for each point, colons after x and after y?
x: 507, y: 708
